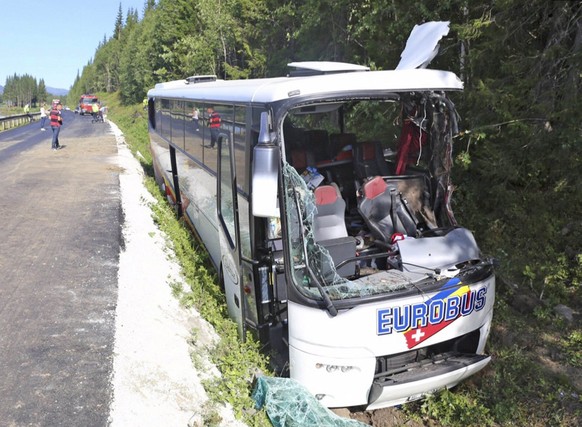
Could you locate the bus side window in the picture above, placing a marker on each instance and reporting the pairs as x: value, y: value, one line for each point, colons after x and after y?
x: 239, y: 135
x: 158, y: 109
x: 193, y: 130
x: 152, y: 113
x: 274, y: 228
x: 166, y: 128
x: 177, y: 118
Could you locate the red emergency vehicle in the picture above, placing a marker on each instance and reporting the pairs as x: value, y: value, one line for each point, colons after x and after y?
x: 86, y: 104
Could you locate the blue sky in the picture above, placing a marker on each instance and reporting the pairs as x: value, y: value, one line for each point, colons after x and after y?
x: 54, y: 40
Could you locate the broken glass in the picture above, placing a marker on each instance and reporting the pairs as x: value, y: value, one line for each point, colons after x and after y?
x: 422, y: 180
x: 311, y: 263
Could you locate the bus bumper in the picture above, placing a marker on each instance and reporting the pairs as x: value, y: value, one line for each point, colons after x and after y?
x: 351, y: 382
x: 422, y: 380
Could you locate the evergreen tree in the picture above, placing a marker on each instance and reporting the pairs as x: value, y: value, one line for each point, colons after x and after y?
x: 42, y: 94
x: 118, y: 24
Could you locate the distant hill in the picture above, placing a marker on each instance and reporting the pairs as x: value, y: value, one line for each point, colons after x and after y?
x: 51, y: 90
x: 55, y: 91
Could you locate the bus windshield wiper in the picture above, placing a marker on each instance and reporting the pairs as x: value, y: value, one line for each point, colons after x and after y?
x: 324, y: 295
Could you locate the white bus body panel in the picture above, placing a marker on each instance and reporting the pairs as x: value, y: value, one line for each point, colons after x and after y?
x: 335, y: 357
x: 198, y: 189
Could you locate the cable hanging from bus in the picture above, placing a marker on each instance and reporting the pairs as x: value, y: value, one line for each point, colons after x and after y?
x: 324, y: 201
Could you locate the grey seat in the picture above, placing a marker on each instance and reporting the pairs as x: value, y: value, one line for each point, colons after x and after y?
x: 329, y: 230
x: 329, y: 221
x: 383, y: 210
x: 369, y: 160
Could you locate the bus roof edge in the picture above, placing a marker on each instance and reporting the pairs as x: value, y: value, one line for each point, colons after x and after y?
x: 324, y: 67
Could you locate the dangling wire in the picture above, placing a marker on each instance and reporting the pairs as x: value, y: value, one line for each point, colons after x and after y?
x: 420, y: 136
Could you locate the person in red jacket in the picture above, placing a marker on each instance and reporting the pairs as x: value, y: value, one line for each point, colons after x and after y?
x: 56, y: 123
x: 214, y: 125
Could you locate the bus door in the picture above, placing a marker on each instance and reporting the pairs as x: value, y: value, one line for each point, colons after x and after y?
x: 229, y: 230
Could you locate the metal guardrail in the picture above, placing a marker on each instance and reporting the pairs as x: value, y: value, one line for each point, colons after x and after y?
x: 10, y: 122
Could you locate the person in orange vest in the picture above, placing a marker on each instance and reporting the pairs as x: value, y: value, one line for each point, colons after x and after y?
x: 214, y: 125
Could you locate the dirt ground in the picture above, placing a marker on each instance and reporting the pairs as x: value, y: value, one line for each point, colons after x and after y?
x: 60, y: 241
x: 388, y: 417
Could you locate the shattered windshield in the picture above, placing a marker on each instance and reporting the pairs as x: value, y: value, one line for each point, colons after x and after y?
x: 354, y: 192
x: 312, y: 261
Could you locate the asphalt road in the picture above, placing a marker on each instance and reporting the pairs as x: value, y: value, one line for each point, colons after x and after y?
x: 60, y: 241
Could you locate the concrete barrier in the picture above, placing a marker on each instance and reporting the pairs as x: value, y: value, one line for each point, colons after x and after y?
x: 9, y: 122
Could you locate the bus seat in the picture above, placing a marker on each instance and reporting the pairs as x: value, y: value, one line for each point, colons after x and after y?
x: 318, y: 141
x: 381, y: 207
x: 329, y: 221
x: 329, y: 229
x: 301, y: 158
x: 415, y: 189
x: 369, y: 160
x: 297, y: 156
x: 338, y: 141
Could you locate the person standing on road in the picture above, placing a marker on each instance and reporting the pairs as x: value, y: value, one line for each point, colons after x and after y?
x: 214, y: 125
x: 27, y: 112
x: 102, y: 113
x: 56, y: 123
x: 195, y: 119
x: 42, y: 116
x: 95, y: 110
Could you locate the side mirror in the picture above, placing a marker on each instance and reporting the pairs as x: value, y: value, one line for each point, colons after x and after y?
x: 266, y: 161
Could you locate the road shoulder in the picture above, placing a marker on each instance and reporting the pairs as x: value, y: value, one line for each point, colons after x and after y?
x: 154, y: 379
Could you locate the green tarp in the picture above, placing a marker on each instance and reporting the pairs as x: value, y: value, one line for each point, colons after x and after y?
x: 289, y: 404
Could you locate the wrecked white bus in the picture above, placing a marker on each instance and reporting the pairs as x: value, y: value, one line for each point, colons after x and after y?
x: 325, y: 205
